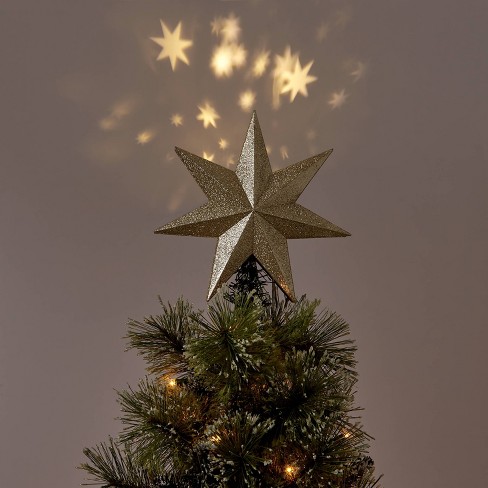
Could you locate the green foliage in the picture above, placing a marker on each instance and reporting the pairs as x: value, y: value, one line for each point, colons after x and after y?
x: 161, y: 340
x: 250, y: 394
x: 230, y: 347
x: 112, y: 466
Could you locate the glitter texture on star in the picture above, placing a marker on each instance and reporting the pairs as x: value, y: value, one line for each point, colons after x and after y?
x: 252, y: 211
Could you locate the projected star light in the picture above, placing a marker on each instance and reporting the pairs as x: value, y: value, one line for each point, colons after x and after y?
x: 296, y: 81
x: 252, y: 211
x: 223, y: 143
x: 247, y: 99
x: 282, y: 70
x: 176, y: 120
x: 208, y: 115
x: 173, y: 45
x: 337, y: 99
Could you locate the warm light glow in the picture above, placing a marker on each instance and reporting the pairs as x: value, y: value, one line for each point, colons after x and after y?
x: 216, y: 25
x: 119, y: 111
x: 346, y: 433
x: 230, y: 28
x: 226, y: 57
x: 173, y: 46
x: 358, y: 73
x: 296, y: 81
x: 260, y: 64
x: 176, y: 120
x: 107, y: 123
x: 122, y: 108
x: 223, y: 143
x: 209, y: 157
x: 168, y: 381
x: 290, y: 471
x: 215, y: 438
x: 208, y: 115
x: 284, y: 152
x: 283, y: 67
x: 247, y: 100
x: 239, y: 55
x: 144, y: 137
x: 221, y: 62
x: 337, y: 99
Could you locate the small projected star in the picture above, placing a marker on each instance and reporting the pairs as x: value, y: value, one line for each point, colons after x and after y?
x: 173, y: 45
x: 216, y: 25
x: 208, y: 156
x: 260, y: 64
x: 247, y: 99
x: 223, y: 143
x: 297, y: 80
x: 144, y: 137
x: 359, y: 72
x: 231, y: 28
x: 283, y: 66
x: 208, y: 115
x: 337, y: 99
x: 176, y: 120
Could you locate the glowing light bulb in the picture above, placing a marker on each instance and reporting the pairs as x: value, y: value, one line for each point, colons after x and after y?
x: 290, y: 471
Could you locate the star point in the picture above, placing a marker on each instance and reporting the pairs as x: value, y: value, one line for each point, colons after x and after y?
x: 252, y: 211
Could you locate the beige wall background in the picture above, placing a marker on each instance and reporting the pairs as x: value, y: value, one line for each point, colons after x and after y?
x: 79, y: 200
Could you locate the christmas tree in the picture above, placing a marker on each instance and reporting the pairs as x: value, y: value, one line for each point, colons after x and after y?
x: 258, y: 391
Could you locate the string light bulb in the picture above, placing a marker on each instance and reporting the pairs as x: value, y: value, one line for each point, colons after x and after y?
x: 290, y: 471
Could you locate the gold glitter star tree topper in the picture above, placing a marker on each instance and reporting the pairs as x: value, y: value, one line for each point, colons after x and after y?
x: 252, y: 211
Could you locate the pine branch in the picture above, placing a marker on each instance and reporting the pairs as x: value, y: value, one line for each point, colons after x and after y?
x: 161, y: 423
x: 299, y: 327
x: 237, y: 451
x: 161, y: 339
x: 113, y: 467
x: 248, y: 395
x: 230, y: 345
